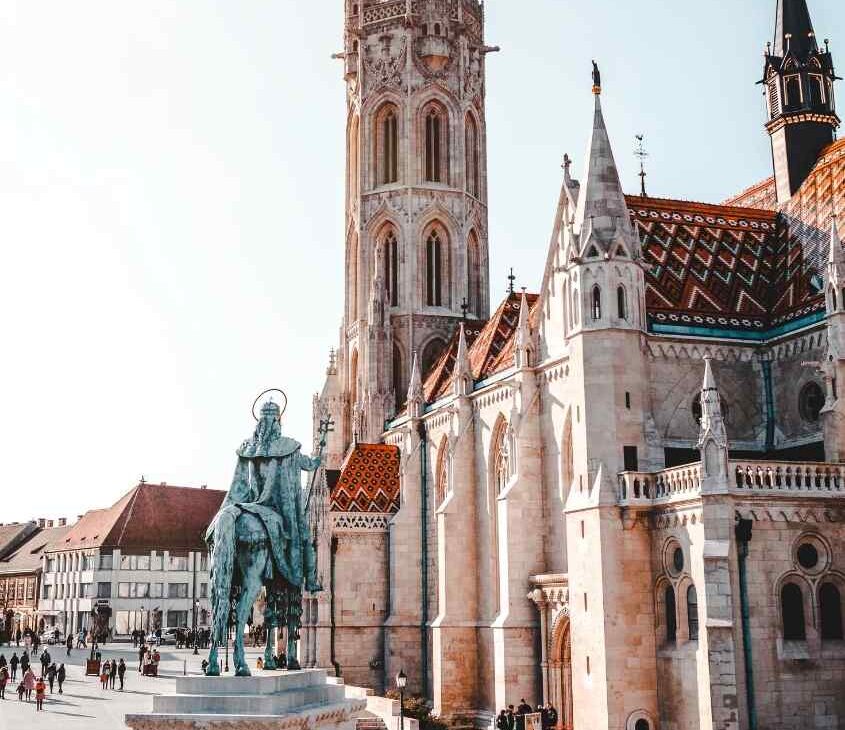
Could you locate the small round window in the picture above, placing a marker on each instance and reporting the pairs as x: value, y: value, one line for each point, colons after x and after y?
x: 696, y: 408
x: 808, y: 556
x: 810, y: 402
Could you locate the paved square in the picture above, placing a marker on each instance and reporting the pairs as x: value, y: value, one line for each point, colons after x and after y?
x: 84, y: 705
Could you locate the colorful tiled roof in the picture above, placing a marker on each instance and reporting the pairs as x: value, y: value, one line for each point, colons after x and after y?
x: 148, y: 517
x: 490, y: 347
x: 369, y: 480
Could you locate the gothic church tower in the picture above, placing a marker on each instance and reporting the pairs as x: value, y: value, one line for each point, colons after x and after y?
x: 416, y: 200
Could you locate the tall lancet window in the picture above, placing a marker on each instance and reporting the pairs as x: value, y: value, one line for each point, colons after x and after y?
x: 501, y: 458
x: 388, y: 145
x: 391, y: 268
x: 596, y: 302
x: 434, y: 269
x: 436, y: 144
x: 472, y: 155
x: 474, y: 274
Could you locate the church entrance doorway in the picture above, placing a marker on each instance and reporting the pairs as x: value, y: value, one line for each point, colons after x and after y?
x: 560, y: 673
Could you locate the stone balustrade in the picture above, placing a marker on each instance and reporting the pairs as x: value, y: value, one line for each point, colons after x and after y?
x: 808, y: 478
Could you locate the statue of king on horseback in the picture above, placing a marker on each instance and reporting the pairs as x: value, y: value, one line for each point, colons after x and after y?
x: 261, y: 538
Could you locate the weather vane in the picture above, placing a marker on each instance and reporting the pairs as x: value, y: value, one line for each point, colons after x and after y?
x: 641, y: 155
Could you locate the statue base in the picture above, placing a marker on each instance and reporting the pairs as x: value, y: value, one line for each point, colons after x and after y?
x: 302, y: 700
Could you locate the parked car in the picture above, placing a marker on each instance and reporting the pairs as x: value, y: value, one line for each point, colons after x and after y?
x: 51, y: 635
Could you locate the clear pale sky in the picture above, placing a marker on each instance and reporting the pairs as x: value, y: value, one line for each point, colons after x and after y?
x: 171, y: 202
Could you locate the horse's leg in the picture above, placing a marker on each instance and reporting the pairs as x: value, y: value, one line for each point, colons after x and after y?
x: 293, y: 612
x: 213, y: 668
x: 251, y: 560
x: 270, y: 623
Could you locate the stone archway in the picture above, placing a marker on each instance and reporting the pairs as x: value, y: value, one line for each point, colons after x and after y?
x: 560, y: 672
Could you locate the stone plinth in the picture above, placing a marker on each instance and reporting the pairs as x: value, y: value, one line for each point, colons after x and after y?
x: 270, y: 701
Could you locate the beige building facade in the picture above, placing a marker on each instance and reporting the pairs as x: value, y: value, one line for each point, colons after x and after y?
x: 622, y: 494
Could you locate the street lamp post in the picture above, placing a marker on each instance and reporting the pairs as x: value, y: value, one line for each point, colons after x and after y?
x: 196, y: 611
x: 401, y: 681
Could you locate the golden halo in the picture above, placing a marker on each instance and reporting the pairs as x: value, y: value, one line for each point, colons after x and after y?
x: 262, y: 394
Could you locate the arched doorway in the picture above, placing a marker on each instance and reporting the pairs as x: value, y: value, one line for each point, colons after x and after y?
x: 560, y: 672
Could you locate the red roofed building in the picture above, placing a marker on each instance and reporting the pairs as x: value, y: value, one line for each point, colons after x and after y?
x: 623, y: 493
x: 140, y: 564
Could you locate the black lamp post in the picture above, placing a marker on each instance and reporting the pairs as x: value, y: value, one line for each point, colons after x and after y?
x: 401, y: 681
x: 196, y: 612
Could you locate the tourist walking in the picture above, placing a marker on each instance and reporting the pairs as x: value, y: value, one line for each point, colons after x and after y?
x: 104, y: 674
x: 69, y: 643
x: 121, y: 670
x: 18, y: 637
x: 13, y: 665
x: 24, y: 661
x: 28, y: 683
x: 3, y: 662
x: 502, y: 721
x: 112, y: 673
x: 40, y: 693
x: 60, y: 676
x: 142, y: 651
x: 4, y: 680
x: 51, y: 676
x: 45, y: 661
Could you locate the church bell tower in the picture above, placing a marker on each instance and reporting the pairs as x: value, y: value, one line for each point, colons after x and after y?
x: 416, y: 196
x: 798, y: 78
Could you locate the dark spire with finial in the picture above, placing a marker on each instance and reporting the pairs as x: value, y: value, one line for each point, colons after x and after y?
x: 799, y: 80
x: 596, y: 79
x: 511, y: 280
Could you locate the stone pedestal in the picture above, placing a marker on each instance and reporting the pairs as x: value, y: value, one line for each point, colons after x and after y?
x: 301, y: 700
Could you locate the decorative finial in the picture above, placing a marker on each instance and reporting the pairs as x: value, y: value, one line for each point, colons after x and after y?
x: 596, y: 79
x: 567, y: 162
x: 511, y: 280
x: 641, y: 154
x: 143, y: 479
x: 464, y: 308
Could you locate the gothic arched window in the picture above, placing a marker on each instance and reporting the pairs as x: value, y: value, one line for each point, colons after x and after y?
x: 436, y: 144
x: 671, y: 615
x: 830, y: 612
x: 692, y: 613
x: 792, y: 612
x: 441, y: 484
x: 810, y: 402
x: 473, y: 274
x: 501, y: 458
x: 596, y: 303
x: 472, y: 155
x: 434, y: 269
x: 621, y: 304
x: 387, y: 148
x: 398, y: 376
x: 391, y: 268
x: 352, y: 165
x: 430, y: 354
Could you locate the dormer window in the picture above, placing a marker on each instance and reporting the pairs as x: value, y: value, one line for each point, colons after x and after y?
x: 817, y: 90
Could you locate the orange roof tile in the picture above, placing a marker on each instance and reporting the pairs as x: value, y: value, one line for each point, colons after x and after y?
x: 369, y: 480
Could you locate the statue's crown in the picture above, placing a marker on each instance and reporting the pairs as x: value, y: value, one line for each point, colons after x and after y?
x: 270, y: 410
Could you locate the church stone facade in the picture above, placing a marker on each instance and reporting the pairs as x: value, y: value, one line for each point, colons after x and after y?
x: 624, y: 493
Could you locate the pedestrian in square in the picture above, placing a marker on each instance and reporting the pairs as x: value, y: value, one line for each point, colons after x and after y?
x: 104, y: 675
x: 51, y: 675
x: 112, y: 673
x: 40, y: 693
x: 69, y: 643
x: 13, y: 665
x: 4, y: 680
x: 121, y: 670
x: 60, y: 676
x: 29, y: 683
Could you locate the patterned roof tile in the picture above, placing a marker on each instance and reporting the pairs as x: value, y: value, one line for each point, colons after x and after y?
x: 369, y: 480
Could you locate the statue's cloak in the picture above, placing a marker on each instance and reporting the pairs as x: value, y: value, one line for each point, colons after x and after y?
x: 267, y: 484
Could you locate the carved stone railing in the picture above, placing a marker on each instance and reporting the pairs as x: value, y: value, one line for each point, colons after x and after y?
x: 679, y: 482
x: 785, y: 476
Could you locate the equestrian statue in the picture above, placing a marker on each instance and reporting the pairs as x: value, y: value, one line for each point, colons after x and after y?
x: 261, y: 538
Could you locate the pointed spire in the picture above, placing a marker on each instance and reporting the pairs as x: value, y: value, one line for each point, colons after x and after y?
x: 523, y: 334
x: 794, y: 29
x: 415, y: 390
x: 600, y: 199
x: 836, y: 257
x: 712, y: 423
x: 463, y: 374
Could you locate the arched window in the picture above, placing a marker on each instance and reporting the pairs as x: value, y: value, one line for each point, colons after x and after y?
x: 501, y: 458
x: 830, y: 611
x: 391, y: 268
x: 642, y: 725
x: 353, y: 377
x: 473, y: 274
x: 792, y: 611
x: 436, y: 144
x: 437, y: 29
x: 596, y: 302
x: 472, y: 165
x: 434, y: 269
x: 794, y: 97
x: 387, y: 151
x: 352, y: 277
x: 692, y: 613
x: 842, y: 299
x: 430, y: 354
x: 671, y: 615
x: 441, y: 484
x: 621, y: 304
x: 810, y: 402
x: 575, y: 308
x: 399, y: 386
x: 353, y: 166
x: 832, y: 293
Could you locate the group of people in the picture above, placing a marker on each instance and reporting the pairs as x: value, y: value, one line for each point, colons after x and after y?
x: 110, y: 671
x: 148, y: 660
x: 29, y: 682
x: 185, y: 638
x: 514, y: 718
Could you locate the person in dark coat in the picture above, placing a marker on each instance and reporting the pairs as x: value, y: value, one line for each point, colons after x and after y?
x: 60, y: 676
x: 69, y: 643
x: 112, y: 674
x: 24, y: 661
x: 502, y: 721
x: 121, y: 671
x: 142, y: 651
x: 51, y: 675
x: 13, y: 665
x: 18, y: 637
x: 45, y: 661
x: 511, y: 718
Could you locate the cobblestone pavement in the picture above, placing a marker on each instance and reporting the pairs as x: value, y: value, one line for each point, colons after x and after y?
x: 84, y: 705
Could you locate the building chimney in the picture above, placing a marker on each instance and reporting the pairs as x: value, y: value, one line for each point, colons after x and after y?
x: 62, y: 521
x: 42, y: 522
